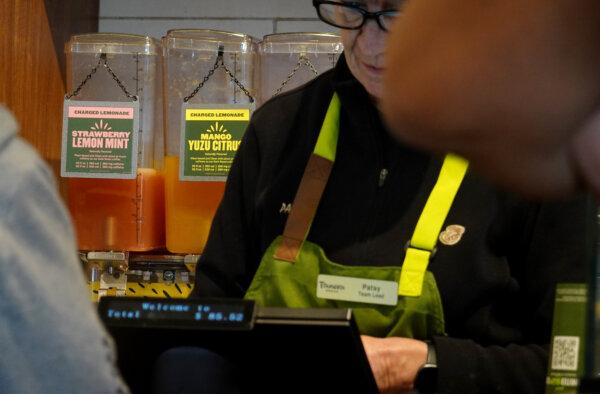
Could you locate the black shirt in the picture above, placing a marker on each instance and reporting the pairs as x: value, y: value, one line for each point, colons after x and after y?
x: 497, y: 284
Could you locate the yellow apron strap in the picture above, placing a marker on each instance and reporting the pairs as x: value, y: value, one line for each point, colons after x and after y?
x: 326, y: 146
x: 422, y: 245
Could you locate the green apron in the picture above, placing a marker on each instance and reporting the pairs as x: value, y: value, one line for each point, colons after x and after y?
x: 292, y: 268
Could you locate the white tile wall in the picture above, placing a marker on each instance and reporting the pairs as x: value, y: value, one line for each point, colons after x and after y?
x: 158, y: 28
x: 254, y: 17
x: 316, y: 26
x: 208, y: 8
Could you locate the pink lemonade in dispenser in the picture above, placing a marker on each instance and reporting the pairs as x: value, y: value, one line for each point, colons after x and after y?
x: 118, y: 214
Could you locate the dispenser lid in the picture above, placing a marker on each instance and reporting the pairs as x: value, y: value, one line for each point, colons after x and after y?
x: 301, y: 43
x: 208, y: 40
x: 113, y: 43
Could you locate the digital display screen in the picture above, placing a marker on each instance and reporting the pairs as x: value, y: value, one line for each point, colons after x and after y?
x: 225, y: 313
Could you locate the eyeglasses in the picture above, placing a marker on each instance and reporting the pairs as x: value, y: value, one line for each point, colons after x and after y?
x: 350, y: 16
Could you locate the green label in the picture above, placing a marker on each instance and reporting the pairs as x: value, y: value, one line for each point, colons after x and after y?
x: 210, y: 139
x: 99, y: 139
x: 567, y: 349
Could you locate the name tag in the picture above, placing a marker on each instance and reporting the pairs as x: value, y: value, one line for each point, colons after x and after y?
x: 368, y: 291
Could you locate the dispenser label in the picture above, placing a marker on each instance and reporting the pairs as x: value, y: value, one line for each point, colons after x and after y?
x: 100, y: 139
x: 210, y: 138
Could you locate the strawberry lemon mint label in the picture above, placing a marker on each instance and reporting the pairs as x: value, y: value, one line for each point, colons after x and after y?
x: 100, y: 139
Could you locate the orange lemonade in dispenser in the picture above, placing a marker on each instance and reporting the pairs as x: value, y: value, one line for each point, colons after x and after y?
x: 191, y: 208
x: 118, y: 214
x: 208, y: 86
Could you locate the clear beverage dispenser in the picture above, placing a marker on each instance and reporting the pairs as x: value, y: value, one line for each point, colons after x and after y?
x: 209, y: 99
x: 112, y: 142
x: 288, y: 60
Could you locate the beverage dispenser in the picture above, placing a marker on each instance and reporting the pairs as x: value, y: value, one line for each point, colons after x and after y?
x: 288, y: 60
x: 209, y: 99
x: 112, y: 159
x: 113, y: 116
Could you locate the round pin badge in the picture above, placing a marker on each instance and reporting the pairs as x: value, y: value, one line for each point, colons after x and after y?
x: 452, y: 234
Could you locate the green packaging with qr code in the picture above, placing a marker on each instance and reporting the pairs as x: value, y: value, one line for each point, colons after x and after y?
x: 567, y: 347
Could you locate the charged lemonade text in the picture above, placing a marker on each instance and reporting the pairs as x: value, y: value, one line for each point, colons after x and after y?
x: 218, y: 115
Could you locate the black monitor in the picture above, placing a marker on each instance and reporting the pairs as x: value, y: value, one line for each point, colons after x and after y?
x: 275, y: 349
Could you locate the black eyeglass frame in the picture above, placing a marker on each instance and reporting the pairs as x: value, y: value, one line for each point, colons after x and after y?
x: 366, y: 15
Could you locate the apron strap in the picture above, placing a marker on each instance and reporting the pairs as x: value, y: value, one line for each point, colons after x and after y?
x: 304, y: 207
x: 421, y: 247
x: 312, y: 186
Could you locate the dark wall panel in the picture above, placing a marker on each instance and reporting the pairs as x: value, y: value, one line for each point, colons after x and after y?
x: 32, y: 64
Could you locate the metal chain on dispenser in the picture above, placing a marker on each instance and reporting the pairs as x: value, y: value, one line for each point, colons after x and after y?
x: 219, y: 63
x: 302, y: 61
x: 102, y: 61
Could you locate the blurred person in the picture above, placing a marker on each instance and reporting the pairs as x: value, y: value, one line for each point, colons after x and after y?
x: 512, y: 85
x: 51, y: 338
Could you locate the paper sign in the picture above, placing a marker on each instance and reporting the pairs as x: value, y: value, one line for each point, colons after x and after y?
x: 210, y: 138
x: 100, y: 139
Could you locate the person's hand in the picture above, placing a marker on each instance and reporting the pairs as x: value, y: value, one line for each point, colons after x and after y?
x: 395, y: 361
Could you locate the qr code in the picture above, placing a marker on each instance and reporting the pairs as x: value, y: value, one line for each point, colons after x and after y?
x: 565, y: 353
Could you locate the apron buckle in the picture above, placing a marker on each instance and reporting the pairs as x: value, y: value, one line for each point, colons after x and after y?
x: 432, y: 252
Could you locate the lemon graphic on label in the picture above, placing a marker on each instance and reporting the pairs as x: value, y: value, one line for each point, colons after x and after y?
x: 216, y: 128
x: 101, y: 126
